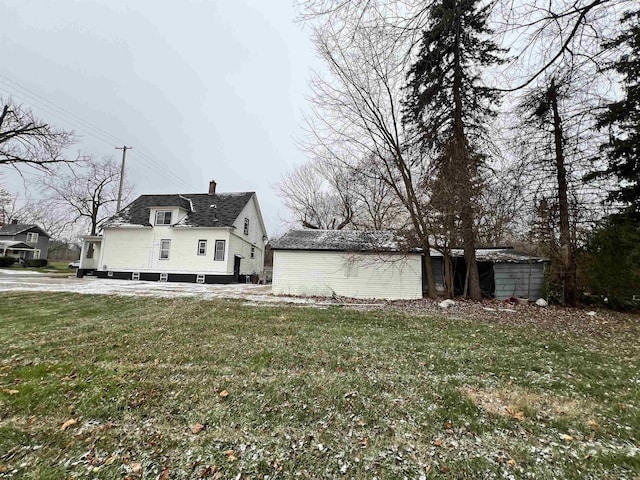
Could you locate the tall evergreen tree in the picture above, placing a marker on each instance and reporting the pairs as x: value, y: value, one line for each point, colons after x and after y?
x: 623, y: 119
x: 450, y: 108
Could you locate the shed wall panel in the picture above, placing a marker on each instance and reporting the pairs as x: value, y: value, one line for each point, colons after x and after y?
x: 518, y: 280
x: 356, y: 275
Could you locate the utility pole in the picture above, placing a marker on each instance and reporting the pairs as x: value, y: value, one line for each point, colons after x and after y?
x: 124, y: 149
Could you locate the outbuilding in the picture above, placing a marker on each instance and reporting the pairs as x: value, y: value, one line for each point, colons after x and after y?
x: 346, y: 263
x: 504, y: 272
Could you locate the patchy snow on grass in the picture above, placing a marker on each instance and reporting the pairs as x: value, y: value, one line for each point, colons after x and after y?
x: 6, y: 271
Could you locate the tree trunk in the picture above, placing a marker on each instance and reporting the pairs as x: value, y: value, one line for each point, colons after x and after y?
x: 464, y: 170
x: 569, y: 266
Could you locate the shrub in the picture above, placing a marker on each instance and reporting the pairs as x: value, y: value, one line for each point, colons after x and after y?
x: 613, y: 262
x: 6, y: 261
x: 37, y: 263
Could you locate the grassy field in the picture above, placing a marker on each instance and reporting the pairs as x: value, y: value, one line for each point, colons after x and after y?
x: 122, y: 387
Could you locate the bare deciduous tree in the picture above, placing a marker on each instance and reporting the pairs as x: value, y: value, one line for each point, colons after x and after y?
x: 88, y: 193
x: 357, y: 114
x: 27, y: 141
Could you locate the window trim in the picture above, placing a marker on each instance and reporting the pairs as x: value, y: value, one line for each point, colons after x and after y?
x: 32, y: 237
x: 135, y: 276
x: 216, y: 250
x: 168, y: 249
x: 246, y: 225
x: 164, y: 214
x: 204, y: 251
x: 252, y: 253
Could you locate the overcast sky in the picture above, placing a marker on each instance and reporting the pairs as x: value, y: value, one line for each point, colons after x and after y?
x: 200, y: 89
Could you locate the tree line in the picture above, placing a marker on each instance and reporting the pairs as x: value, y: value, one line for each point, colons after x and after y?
x: 466, y: 123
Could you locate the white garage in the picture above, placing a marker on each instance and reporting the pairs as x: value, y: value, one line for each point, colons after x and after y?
x: 356, y: 264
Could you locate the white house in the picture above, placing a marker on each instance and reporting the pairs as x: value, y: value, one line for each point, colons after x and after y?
x: 357, y: 264
x: 203, y: 237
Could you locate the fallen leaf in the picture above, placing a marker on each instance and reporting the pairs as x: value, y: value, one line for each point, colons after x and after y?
x: 511, y: 461
x: 165, y: 474
x: 136, y: 467
x: 567, y: 438
x: 230, y: 456
x: 448, y: 425
x: 156, y: 362
x: 364, y: 442
x: 361, y: 423
x: 594, y: 425
x: 223, y: 394
x: 68, y: 423
x: 9, y: 391
x: 437, y: 442
x: 197, y: 428
x: 514, y: 414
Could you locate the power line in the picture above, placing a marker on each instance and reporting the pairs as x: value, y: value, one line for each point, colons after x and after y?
x: 30, y: 97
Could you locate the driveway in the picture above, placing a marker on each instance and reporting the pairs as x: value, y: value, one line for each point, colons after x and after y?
x: 25, y: 280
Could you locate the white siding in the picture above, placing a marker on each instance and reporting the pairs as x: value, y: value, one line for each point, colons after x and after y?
x: 138, y: 249
x: 241, y: 243
x: 357, y: 275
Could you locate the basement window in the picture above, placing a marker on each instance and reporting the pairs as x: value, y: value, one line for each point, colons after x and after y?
x: 200, y: 278
x: 164, y: 277
x: 135, y: 276
x: 109, y: 274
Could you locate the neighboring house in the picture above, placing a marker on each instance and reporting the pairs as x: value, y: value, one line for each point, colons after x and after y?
x: 23, y: 241
x: 349, y: 263
x: 504, y: 273
x: 204, y: 237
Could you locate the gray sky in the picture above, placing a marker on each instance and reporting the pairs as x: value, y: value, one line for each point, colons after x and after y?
x: 201, y: 89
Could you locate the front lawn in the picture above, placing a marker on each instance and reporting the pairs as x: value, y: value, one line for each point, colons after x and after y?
x: 125, y: 387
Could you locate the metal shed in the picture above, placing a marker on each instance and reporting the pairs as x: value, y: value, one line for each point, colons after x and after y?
x: 503, y: 272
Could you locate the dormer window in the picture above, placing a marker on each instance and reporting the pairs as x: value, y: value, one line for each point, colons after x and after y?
x: 246, y: 226
x: 163, y: 217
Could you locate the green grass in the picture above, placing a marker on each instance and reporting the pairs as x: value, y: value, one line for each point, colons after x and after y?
x: 311, y: 393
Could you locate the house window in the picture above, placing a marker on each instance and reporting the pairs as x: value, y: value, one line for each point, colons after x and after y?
x: 253, y: 252
x: 219, y: 253
x: 165, y: 245
x: 32, y: 237
x: 163, y: 217
x: 246, y: 226
x: 202, y: 247
x: 36, y: 254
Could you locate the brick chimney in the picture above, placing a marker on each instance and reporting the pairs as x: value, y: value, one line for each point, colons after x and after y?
x: 212, y: 187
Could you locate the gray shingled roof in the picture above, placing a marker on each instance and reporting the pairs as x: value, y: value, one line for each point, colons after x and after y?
x: 16, y: 228
x: 200, y: 206
x: 340, y: 240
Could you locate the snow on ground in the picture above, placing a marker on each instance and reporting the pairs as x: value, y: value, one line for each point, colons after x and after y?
x: 92, y: 285
x: 4, y: 271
